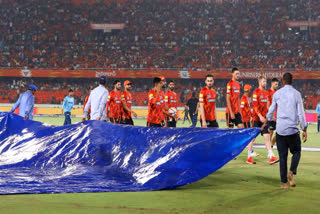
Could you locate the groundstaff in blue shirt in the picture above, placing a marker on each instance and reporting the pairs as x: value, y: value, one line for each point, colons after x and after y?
x: 26, y: 103
x: 318, y: 113
x: 67, y: 106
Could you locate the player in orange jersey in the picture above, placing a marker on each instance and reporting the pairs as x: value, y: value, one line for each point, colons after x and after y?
x: 84, y: 105
x: 126, y: 99
x: 170, y: 99
x: 271, y: 91
x: 164, y: 107
x: 207, y: 100
x: 155, y: 104
x: 233, y: 115
x: 114, y: 103
x: 260, y: 100
x: 245, y: 109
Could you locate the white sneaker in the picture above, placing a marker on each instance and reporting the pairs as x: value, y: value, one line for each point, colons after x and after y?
x: 254, y: 154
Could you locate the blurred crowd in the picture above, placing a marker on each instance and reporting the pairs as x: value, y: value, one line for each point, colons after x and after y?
x: 53, y: 91
x: 159, y: 33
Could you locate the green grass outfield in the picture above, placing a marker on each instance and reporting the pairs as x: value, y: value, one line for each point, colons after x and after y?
x: 235, y: 188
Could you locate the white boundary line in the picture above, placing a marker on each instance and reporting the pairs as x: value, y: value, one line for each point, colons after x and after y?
x: 303, y: 148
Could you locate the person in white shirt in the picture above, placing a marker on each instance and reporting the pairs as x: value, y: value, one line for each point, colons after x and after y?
x: 97, y: 101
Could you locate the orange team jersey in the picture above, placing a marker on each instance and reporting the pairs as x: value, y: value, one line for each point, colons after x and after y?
x: 233, y: 89
x: 115, y: 104
x: 259, y: 103
x: 127, y: 98
x: 170, y: 99
x: 163, y: 104
x: 271, y: 93
x: 245, y: 109
x: 85, y: 103
x: 154, y: 107
x: 208, y: 98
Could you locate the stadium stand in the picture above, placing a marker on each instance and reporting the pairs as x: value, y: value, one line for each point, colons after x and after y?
x: 160, y: 34
x: 168, y: 34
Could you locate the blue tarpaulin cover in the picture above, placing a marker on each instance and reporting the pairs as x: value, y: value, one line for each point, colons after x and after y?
x: 102, y: 157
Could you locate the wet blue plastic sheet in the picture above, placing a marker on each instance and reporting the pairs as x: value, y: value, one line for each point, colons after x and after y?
x: 102, y: 157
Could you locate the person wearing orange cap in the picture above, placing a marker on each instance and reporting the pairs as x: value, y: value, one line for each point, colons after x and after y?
x: 245, y: 110
x: 271, y: 91
x: 233, y: 115
x: 126, y: 99
x: 170, y: 98
x: 114, y: 103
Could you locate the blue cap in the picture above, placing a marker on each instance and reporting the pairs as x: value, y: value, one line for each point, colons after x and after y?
x: 32, y: 87
x: 103, y: 80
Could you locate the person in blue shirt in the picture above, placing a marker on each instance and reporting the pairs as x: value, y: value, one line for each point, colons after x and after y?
x: 290, y: 113
x: 26, y: 103
x: 318, y: 113
x: 67, y: 106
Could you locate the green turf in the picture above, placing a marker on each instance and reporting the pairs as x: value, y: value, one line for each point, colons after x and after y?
x: 236, y: 188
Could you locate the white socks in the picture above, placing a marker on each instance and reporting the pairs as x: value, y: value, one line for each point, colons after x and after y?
x: 270, y: 153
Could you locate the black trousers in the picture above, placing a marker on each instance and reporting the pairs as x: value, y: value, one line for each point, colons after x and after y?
x: 153, y: 125
x: 128, y: 121
x: 211, y: 123
x: 114, y: 120
x: 172, y: 123
x: 293, y: 143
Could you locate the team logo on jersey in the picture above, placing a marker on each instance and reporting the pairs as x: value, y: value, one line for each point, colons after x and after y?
x: 208, y: 95
x: 261, y: 96
x: 116, y: 98
x: 234, y: 87
x: 128, y: 98
x: 254, y: 95
x: 171, y: 97
x: 228, y: 87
